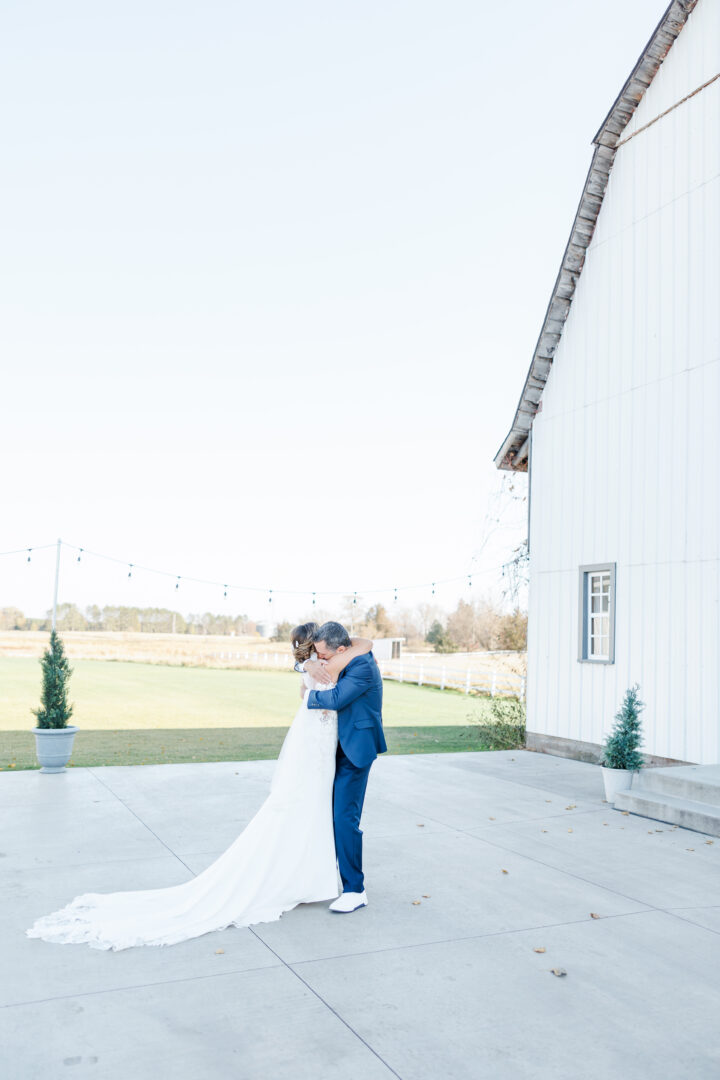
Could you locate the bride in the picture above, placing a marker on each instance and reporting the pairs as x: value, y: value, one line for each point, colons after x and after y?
x: 284, y: 857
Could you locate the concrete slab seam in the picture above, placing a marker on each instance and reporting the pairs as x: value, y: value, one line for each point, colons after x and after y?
x: 138, y: 986
x: 328, y: 1006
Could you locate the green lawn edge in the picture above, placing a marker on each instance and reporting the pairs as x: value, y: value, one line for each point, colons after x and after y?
x: 187, y: 745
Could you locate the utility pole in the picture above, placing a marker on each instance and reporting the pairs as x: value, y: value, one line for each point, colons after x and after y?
x: 57, y: 583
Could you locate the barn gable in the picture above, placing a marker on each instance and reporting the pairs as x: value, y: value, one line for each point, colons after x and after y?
x: 624, y: 120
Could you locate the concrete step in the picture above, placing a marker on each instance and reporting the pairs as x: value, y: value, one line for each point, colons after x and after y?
x: 699, y: 783
x: 700, y: 816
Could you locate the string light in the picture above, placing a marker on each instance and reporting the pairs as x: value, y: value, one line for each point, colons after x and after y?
x: 395, y: 590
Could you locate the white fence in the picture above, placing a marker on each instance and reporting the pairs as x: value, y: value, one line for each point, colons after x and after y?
x: 449, y: 676
x: 496, y: 683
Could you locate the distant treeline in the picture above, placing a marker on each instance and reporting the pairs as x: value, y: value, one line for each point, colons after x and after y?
x: 475, y: 625
x: 143, y: 620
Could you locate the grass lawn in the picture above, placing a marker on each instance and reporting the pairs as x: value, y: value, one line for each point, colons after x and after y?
x: 131, y: 713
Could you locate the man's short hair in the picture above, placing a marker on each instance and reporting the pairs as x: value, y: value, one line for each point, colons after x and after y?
x: 334, y: 635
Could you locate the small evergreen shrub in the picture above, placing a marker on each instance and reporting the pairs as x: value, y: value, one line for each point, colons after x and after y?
x: 621, y: 745
x: 55, y: 711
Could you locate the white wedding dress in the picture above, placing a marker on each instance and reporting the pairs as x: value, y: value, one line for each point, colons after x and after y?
x: 284, y: 857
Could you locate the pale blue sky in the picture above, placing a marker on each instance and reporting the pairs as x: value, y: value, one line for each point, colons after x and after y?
x: 272, y: 275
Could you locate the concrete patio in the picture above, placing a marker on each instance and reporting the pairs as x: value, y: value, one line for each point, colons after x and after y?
x: 507, y: 853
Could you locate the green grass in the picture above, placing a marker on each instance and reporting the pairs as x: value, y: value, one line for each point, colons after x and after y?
x: 170, y: 746
x: 112, y: 694
x: 135, y: 714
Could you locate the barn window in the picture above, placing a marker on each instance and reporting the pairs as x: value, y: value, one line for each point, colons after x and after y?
x: 597, y: 613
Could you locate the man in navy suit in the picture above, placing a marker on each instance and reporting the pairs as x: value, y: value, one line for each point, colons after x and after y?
x: 357, y: 698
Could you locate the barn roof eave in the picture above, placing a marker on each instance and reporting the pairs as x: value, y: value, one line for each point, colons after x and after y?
x: 512, y: 454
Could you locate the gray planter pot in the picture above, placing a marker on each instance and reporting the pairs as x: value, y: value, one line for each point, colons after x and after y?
x: 616, y: 780
x: 54, y: 747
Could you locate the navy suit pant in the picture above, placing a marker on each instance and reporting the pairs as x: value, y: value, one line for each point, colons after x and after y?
x: 348, y: 797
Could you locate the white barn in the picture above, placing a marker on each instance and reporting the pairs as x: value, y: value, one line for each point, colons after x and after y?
x: 619, y: 417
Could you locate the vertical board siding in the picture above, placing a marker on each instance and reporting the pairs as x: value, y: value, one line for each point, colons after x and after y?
x: 626, y: 453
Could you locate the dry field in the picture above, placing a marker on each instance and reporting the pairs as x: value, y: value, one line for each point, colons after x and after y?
x: 174, y: 649
x: 251, y: 651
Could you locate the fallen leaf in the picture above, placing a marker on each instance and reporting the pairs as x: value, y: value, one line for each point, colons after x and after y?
x: 416, y: 902
x: 218, y: 951
x: 421, y: 826
x: 709, y: 841
x: 491, y: 819
x: 572, y: 806
x: 569, y: 830
x: 659, y: 830
x: 426, y: 896
x: 559, y: 972
x: 594, y: 915
x: 625, y: 813
x: 548, y: 800
x: 689, y: 848
x: 505, y: 871
x: 543, y: 830
x: 540, y: 948
x: 604, y: 822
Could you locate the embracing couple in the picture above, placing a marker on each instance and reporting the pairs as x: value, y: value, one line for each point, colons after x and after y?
x: 306, y: 831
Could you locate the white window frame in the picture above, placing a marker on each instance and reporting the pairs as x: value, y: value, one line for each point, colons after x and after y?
x: 592, y: 576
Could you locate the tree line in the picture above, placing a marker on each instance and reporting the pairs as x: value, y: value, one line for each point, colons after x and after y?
x: 140, y: 620
x: 474, y: 625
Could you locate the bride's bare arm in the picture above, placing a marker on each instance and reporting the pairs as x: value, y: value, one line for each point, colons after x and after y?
x: 340, y: 660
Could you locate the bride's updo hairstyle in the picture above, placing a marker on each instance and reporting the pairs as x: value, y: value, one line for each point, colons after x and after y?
x: 303, y: 641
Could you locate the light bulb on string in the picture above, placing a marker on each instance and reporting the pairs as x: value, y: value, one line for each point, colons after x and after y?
x: 469, y: 581
x: 354, y: 598
x: 395, y: 596
x: 80, y: 555
x: 433, y: 589
x: 29, y: 558
x: 313, y: 599
x: 225, y: 592
x: 269, y: 596
x: 177, y: 583
x: 130, y: 569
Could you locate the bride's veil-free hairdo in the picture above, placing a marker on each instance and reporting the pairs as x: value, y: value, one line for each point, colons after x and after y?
x: 303, y: 640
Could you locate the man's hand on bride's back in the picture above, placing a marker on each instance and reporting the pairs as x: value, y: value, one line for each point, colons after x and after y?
x: 316, y: 670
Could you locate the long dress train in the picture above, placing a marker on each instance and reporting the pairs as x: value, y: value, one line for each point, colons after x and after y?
x: 284, y: 857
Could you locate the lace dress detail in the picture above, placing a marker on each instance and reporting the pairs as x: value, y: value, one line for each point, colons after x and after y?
x: 284, y: 857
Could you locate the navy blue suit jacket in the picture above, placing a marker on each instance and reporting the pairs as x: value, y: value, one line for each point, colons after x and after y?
x: 357, y: 698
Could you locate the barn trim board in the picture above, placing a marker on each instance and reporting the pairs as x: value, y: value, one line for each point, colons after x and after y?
x: 513, y: 454
x: 617, y: 425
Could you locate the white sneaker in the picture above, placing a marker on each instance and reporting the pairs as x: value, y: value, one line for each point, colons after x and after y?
x: 349, y: 901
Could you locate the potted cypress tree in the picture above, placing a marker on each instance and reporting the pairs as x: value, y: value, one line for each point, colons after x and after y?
x: 53, y: 735
x: 621, y: 756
